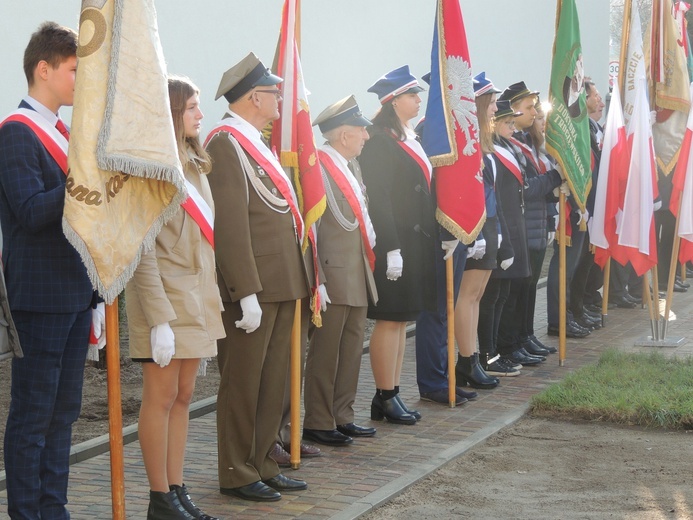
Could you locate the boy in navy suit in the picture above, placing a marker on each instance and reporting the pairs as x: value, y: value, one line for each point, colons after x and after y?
x: 49, y: 292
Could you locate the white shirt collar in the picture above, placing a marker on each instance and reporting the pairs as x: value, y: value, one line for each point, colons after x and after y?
x: 247, y: 127
x: 42, y: 110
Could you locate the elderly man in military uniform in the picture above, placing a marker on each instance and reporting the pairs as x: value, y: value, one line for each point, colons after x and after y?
x: 345, y: 248
x: 261, y: 273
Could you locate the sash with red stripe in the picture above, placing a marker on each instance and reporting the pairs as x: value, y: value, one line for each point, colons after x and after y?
x: 200, y: 212
x: 508, y: 160
x: 527, y: 151
x: 52, y: 140
x: 279, y: 180
x: 345, y: 187
x: 419, y: 160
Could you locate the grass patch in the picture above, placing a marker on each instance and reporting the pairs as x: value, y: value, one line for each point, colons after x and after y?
x: 625, y: 388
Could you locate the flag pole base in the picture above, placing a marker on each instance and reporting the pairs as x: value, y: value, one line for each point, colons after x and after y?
x: 668, y: 342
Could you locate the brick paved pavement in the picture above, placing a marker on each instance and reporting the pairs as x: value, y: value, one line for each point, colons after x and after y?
x: 346, y: 482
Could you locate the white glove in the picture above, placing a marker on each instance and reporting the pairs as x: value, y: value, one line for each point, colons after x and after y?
x: 98, y: 324
x: 471, y: 250
x: 163, y: 344
x: 564, y: 189
x: 507, y: 263
x: 479, y: 249
x: 653, y: 117
x: 394, y: 264
x: 252, y: 314
x: 584, y: 217
x: 550, y: 237
x: 657, y: 205
x: 449, y: 247
x: 500, y: 239
x: 324, y: 299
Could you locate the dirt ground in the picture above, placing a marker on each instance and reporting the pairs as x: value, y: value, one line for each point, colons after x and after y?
x: 553, y: 469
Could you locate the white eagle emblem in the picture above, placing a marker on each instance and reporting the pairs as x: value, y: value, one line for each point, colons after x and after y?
x: 460, y: 95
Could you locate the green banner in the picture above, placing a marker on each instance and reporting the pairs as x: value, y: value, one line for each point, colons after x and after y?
x: 567, y: 126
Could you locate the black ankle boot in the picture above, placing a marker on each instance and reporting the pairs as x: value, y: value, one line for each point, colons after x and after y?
x: 414, y: 413
x: 188, y: 504
x: 390, y: 409
x: 166, y: 506
x: 469, y: 371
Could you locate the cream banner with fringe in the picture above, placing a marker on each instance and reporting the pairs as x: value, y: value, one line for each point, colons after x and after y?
x: 125, y: 178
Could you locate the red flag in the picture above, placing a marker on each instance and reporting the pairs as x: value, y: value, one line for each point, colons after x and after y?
x: 610, y: 188
x: 636, y: 231
x: 683, y: 193
x: 451, y: 132
x: 292, y: 137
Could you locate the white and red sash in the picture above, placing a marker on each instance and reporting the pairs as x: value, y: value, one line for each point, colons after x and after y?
x: 341, y: 180
x: 527, y: 151
x: 257, y: 149
x: 54, y: 142
x: 508, y: 160
x: 416, y: 152
x: 200, y: 211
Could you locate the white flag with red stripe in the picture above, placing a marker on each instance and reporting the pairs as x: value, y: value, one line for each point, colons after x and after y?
x: 683, y: 192
x: 612, y: 173
x: 636, y: 230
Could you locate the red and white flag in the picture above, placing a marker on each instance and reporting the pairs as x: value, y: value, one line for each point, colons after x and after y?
x: 636, y: 232
x: 613, y: 167
x: 683, y: 192
x: 292, y: 137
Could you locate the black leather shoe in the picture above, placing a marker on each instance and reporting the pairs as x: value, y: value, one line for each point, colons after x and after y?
x: 525, y: 361
x: 522, y: 351
x: 586, y: 323
x: 354, y: 430
x: 257, y: 492
x: 533, y: 339
x: 586, y: 310
x: 283, y: 483
x: 534, y: 350
x: 683, y: 283
x: 468, y: 395
x: 390, y: 409
x: 622, y: 303
x: 630, y: 297
x: 441, y: 396
x: 570, y: 331
x: 327, y: 437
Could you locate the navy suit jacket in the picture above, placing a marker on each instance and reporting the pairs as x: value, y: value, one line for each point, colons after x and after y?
x: 43, y: 272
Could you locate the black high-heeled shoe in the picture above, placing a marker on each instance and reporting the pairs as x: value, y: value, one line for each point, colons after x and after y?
x: 468, y: 371
x: 413, y: 413
x: 391, y: 410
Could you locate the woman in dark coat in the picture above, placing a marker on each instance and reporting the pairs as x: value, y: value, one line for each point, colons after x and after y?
x: 397, y: 176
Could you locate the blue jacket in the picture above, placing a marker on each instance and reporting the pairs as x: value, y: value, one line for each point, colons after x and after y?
x: 43, y: 272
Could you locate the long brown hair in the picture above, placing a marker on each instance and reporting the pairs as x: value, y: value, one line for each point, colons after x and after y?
x: 485, y: 124
x: 387, y: 118
x: 180, y: 90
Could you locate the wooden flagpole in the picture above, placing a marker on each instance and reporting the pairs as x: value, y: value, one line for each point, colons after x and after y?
x: 452, y: 395
x: 115, y: 411
x: 672, y: 272
x: 295, y: 364
x: 561, y: 280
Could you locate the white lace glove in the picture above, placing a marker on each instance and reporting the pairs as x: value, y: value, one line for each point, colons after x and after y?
x: 564, y: 189
x: 449, y: 247
x: 584, y: 217
x: 507, y: 263
x: 500, y: 239
x: 394, y: 264
x: 324, y: 299
x: 550, y: 237
x: 252, y: 314
x: 98, y: 324
x: 479, y: 249
x: 657, y: 205
x: 163, y: 344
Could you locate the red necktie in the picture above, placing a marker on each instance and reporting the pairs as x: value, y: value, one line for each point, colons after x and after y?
x: 62, y: 129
